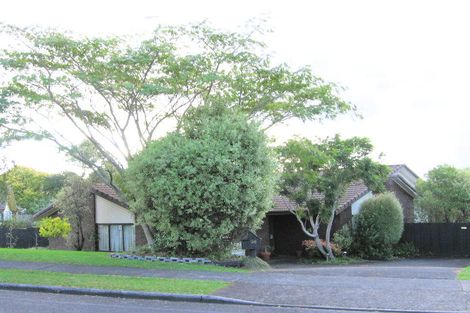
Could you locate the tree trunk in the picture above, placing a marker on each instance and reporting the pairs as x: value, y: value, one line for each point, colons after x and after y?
x: 330, y: 254
x: 148, y: 235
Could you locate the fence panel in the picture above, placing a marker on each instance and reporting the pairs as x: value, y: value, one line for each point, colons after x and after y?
x: 22, y: 238
x: 440, y: 239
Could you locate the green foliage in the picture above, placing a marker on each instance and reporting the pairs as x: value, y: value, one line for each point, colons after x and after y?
x: 327, y: 168
x: 118, y: 92
x: 32, y: 190
x: 405, y: 250
x: 379, y: 225
x: 315, y: 176
x: 27, y: 186
x: 445, y: 196
x: 344, y: 238
x: 54, y: 227
x: 200, y: 188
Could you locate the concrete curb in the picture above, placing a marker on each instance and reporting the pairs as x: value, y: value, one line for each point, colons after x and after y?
x: 188, y: 298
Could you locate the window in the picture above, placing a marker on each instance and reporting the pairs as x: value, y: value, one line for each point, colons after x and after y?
x: 115, y: 237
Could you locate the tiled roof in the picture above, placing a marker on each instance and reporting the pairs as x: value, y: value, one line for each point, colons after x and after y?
x: 352, y: 193
x: 355, y: 191
x: 107, y: 192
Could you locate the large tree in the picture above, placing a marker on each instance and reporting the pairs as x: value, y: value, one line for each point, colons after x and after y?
x: 117, y: 94
x: 315, y: 176
x: 203, y: 186
x: 445, y: 196
x: 33, y: 190
x: 27, y: 185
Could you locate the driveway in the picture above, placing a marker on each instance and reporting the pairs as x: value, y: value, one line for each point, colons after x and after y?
x: 423, y: 284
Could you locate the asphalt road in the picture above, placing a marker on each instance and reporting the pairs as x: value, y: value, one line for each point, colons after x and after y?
x: 32, y: 302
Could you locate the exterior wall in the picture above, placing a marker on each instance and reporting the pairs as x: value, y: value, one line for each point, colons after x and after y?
x: 263, y: 233
x: 108, y: 212
x: 406, y: 200
x: 356, y: 206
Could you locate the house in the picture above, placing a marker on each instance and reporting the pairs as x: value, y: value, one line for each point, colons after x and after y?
x: 111, y: 226
x: 281, y: 230
x: 5, y: 212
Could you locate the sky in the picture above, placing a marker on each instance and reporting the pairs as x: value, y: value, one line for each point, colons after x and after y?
x: 404, y: 64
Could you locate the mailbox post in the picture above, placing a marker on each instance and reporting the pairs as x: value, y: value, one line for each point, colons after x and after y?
x: 251, y: 243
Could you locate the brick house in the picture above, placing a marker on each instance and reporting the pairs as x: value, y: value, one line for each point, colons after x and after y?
x: 110, y: 226
x: 281, y: 230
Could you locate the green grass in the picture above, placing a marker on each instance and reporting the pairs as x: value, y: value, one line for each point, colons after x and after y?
x: 111, y: 282
x: 464, y: 274
x: 99, y: 259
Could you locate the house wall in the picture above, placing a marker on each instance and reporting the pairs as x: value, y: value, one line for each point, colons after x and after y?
x: 108, y: 212
x: 405, y: 199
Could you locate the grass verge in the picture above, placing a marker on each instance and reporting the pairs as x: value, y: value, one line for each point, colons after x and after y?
x: 93, y: 258
x: 464, y: 274
x: 111, y: 282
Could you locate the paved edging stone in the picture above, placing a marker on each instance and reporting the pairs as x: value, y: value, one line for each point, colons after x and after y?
x: 186, y: 298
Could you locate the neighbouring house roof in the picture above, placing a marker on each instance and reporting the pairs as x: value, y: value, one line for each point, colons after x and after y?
x: 47, y: 211
x: 354, y: 192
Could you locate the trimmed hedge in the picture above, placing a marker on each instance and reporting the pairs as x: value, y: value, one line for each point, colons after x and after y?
x: 379, y: 225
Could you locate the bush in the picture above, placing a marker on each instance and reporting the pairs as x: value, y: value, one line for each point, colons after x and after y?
x: 54, y: 227
x: 310, y: 247
x: 343, y: 238
x: 405, y: 250
x: 201, y: 188
x: 379, y: 226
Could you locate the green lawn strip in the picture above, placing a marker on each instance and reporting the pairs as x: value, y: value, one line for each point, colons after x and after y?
x: 464, y: 274
x: 111, y: 282
x: 100, y: 259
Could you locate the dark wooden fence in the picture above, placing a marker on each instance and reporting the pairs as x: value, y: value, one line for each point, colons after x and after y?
x: 22, y: 238
x: 439, y: 239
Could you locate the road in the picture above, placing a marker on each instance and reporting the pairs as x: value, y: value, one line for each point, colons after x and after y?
x: 32, y: 302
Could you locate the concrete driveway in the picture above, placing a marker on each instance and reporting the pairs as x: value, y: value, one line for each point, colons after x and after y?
x: 422, y: 285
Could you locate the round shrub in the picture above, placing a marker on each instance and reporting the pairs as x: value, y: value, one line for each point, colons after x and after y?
x: 379, y: 225
x: 200, y: 188
x: 54, y: 227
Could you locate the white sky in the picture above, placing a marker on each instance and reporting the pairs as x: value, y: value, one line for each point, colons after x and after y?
x: 406, y: 64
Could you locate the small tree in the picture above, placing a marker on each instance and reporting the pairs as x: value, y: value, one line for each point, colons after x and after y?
x: 54, y: 227
x: 445, y: 196
x: 379, y: 225
x: 315, y: 176
x: 203, y: 186
x: 73, y: 202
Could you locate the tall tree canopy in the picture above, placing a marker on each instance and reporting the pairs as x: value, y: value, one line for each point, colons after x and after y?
x: 33, y: 190
x: 117, y: 94
x: 202, y: 187
x: 315, y: 175
x: 445, y: 196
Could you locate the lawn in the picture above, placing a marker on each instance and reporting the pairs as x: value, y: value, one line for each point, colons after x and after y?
x: 111, y: 282
x: 99, y: 259
x: 464, y: 274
